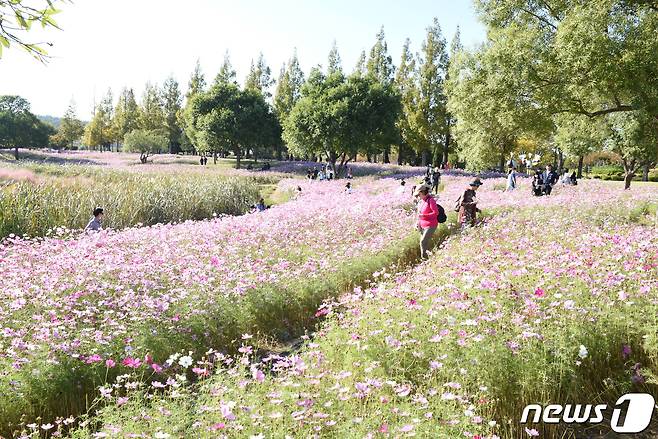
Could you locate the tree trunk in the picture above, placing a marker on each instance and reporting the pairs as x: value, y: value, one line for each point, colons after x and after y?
x: 645, y: 172
x: 446, y: 148
x: 501, y: 165
x: 387, y: 153
x: 424, y: 158
x: 214, y: 157
x: 581, y: 159
x: 629, y: 169
x: 400, y: 154
x: 332, y: 158
x: 16, y: 153
x: 560, y: 162
x: 238, y: 155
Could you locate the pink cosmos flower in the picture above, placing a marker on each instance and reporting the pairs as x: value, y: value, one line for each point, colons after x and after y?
x: 109, y: 363
x: 133, y: 363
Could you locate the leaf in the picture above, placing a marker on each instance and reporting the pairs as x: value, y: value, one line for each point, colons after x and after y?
x: 3, y: 42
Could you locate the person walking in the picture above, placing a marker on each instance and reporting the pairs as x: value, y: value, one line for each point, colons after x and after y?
x: 436, y: 180
x: 511, y: 180
x: 96, y: 222
x: 468, y: 209
x: 428, y: 217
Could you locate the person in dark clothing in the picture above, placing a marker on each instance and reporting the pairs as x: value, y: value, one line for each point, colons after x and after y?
x: 537, y: 184
x: 315, y: 174
x: 468, y: 209
x: 436, y: 180
x: 574, y: 179
x: 550, y: 177
x: 201, y: 161
x: 96, y: 222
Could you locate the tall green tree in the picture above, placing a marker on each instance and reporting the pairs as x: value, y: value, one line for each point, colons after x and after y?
x: 448, y: 143
x: 561, y: 52
x: 126, y: 114
x: 380, y: 67
x: 260, y: 77
x: 151, y: 114
x: 226, y: 72
x: 197, y: 83
x: 70, y: 129
x: 172, y: 104
x: 19, y: 128
x: 288, y: 92
x: 432, y: 102
x: 17, y: 18
x: 491, y: 118
x: 226, y: 118
x: 338, y: 117
x: 195, y: 86
x: 99, y: 133
x: 334, y: 63
x: 407, y: 86
x: 360, y: 68
x: 380, y: 64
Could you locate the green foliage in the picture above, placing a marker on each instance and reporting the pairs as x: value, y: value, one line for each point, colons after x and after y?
x: 19, y: 127
x: 100, y: 132
x: 126, y: 115
x: 197, y: 82
x: 551, y: 60
x: 260, y: 77
x: 152, y: 115
x: 146, y: 142
x: 70, y: 129
x: 380, y: 64
x: 17, y: 18
x: 339, y: 117
x: 226, y: 118
x: 38, y: 206
x: 334, y: 63
x: 226, y: 72
x: 172, y: 102
x: 288, y: 92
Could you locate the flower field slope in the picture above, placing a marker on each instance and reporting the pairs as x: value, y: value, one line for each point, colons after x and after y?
x: 76, y: 312
x: 552, y: 299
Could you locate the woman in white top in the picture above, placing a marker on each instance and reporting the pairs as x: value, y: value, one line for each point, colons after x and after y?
x: 511, y: 180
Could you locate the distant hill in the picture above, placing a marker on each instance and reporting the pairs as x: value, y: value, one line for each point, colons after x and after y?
x: 52, y: 120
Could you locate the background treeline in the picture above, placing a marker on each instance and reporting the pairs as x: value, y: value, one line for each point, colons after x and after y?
x: 554, y: 82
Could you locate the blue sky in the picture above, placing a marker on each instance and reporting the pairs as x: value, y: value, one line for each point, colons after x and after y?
x: 127, y: 42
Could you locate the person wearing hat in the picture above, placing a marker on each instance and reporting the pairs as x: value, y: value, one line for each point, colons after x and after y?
x: 428, y: 217
x: 468, y: 209
x: 96, y: 222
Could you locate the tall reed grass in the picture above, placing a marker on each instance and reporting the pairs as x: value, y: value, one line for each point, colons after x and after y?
x: 58, y: 198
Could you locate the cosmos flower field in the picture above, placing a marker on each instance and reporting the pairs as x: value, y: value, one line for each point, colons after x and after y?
x: 176, y: 330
